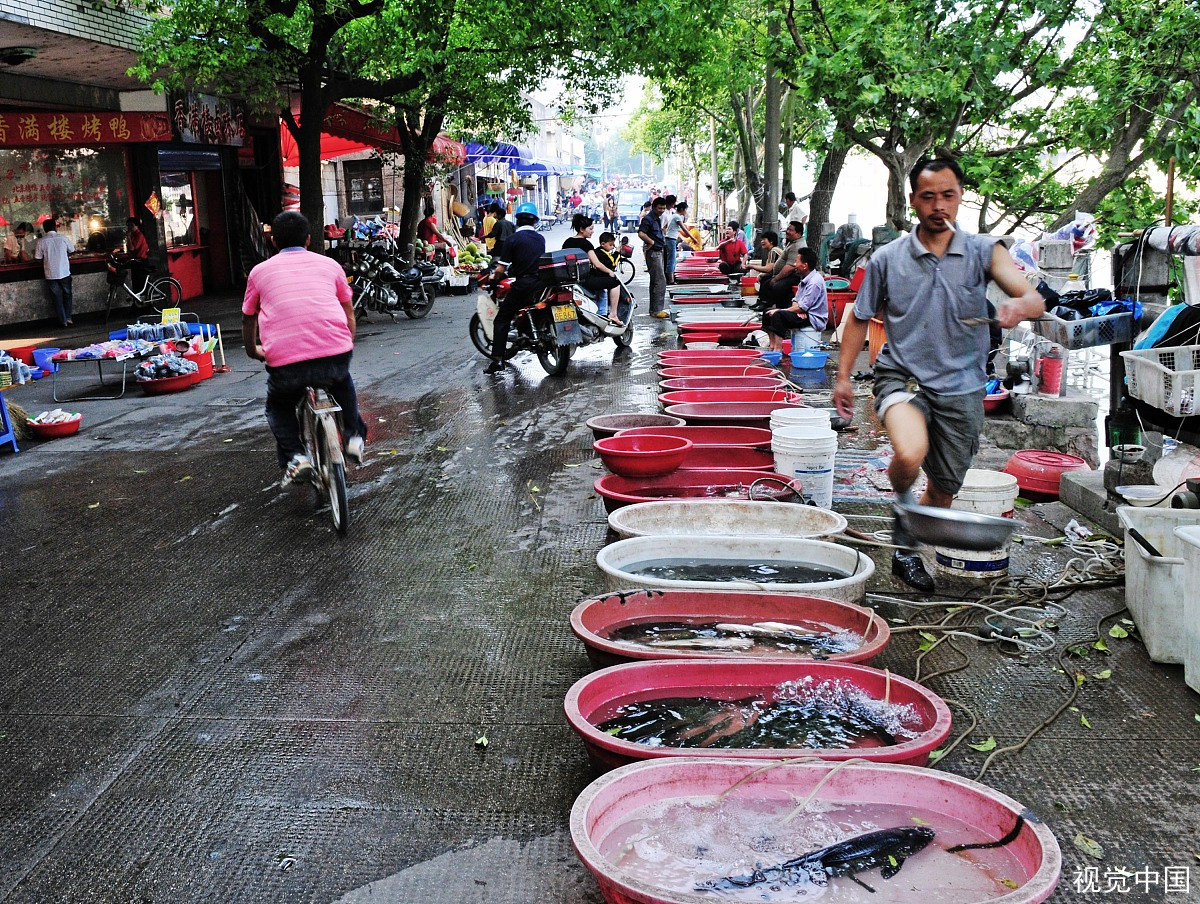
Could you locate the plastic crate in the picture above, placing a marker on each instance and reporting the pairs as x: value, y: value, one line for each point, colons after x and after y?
x: 1074, y: 334
x: 1165, y: 378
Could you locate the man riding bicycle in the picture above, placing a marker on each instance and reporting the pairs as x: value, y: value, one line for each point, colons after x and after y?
x: 298, y: 317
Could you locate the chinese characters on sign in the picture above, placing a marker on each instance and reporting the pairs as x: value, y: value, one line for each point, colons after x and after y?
x: 204, y: 119
x: 32, y: 129
x: 1170, y: 880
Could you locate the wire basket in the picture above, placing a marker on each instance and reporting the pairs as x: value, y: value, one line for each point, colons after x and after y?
x: 1165, y: 378
x: 1074, y: 334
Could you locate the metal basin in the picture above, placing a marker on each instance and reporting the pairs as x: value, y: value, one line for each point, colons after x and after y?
x: 950, y: 527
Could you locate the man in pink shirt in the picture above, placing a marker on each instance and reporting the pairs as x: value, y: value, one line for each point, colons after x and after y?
x: 298, y: 317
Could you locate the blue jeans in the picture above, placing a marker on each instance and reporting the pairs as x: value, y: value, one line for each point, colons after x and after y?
x: 60, y: 291
x: 285, y: 388
x: 669, y: 259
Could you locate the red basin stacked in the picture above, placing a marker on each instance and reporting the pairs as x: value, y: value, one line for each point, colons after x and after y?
x: 680, y: 355
x: 731, y: 414
x: 683, y: 396
x: 617, y: 491
x: 749, y: 437
x: 642, y: 456
x: 729, y: 329
x: 721, y: 383
x: 709, y: 370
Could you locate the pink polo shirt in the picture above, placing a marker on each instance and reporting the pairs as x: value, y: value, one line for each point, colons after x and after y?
x: 298, y: 297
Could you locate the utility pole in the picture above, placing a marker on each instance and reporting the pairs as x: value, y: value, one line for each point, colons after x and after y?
x: 712, y: 136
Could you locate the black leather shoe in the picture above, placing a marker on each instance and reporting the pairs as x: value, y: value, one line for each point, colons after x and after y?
x: 909, y: 568
x: 495, y: 367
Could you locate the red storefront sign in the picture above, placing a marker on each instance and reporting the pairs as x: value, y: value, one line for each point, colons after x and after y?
x: 41, y: 129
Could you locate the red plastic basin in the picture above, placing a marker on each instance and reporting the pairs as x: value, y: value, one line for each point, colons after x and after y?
x: 603, y: 425
x: 53, y: 431
x: 731, y: 414
x: 995, y: 401
x: 168, y: 384
x: 617, y: 491
x: 683, y: 396
x: 618, y: 797
x: 711, y: 370
x: 682, y: 355
x: 1038, y: 471
x: 712, y: 357
x: 750, y: 437
x: 721, y: 383
x: 733, y: 329
x: 642, y: 456
x: 727, y: 458
x: 594, y: 620
x: 595, y: 697
x: 695, y: 338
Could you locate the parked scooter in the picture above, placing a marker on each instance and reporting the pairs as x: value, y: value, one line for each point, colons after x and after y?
x: 563, y: 318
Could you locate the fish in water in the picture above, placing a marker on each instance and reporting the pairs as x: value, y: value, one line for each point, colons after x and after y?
x: 884, y: 850
x: 703, y: 643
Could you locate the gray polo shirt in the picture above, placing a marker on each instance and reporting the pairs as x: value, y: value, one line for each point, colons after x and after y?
x: 921, y: 300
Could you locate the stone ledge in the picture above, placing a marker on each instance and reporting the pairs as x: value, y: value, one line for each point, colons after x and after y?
x: 1084, y: 492
x: 1054, y: 411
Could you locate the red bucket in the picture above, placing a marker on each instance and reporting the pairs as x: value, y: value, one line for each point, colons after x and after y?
x: 204, y: 360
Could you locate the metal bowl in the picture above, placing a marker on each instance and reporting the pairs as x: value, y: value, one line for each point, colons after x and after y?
x: 950, y: 527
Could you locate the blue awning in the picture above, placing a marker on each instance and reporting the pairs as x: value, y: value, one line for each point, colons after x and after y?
x: 502, y: 152
x: 540, y: 168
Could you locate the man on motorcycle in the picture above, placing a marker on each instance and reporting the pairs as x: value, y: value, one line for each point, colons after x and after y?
x: 520, y: 261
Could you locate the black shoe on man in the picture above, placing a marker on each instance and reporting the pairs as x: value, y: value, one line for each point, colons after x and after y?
x: 909, y: 568
x: 495, y: 367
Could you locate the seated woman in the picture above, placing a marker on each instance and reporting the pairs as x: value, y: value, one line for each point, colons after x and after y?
x: 602, y: 279
x: 810, y: 308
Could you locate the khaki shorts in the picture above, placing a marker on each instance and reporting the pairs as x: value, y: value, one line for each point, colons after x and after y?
x: 954, y: 423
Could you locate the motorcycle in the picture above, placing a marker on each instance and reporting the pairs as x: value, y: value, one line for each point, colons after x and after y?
x: 380, y: 286
x: 564, y: 317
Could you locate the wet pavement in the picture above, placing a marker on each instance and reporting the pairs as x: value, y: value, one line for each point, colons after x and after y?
x: 206, y: 695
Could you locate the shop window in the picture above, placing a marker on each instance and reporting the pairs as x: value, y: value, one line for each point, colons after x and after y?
x: 179, y: 209
x: 364, y: 186
x: 85, y: 187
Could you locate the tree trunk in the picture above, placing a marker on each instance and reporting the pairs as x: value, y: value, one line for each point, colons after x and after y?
x: 743, y: 120
x: 765, y: 217
x: 787, y: 140
x: 822, y: 194
x: 1118, y: 166
x: 308, y: 143
x: 417, y: 134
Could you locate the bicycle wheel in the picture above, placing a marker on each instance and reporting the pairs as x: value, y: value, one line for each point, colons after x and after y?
x: 626, y: 270
x: 164, y: 292
x: 333, y: 472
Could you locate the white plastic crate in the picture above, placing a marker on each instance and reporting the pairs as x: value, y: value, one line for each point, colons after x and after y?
x: 1093, y: 331
x: 1155, y: 586
x: 1165, y: 378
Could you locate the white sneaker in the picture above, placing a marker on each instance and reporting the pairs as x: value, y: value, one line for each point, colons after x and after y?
x: 298, y: 469
x: 355, y: 449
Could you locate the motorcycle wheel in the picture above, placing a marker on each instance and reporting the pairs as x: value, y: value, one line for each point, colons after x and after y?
x: 555, y: 358
x: 420, y: 305
x: 625, y: 339
x: 481, y: 342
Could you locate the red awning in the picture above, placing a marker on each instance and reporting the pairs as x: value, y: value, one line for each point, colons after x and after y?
x: 348, y: 131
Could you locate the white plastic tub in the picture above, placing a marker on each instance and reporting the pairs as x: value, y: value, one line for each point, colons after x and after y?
x: 983, y: 492
x: 1156, y: 587
x: 1190, y: 538
x: 731, y: 517
x: 614, y: 558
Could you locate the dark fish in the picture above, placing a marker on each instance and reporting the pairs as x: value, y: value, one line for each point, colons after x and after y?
x: 885, y: 850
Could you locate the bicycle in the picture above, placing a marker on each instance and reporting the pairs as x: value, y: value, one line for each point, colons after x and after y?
x: 625, y: 267
x: 321, y: 431
x: 156, y: 293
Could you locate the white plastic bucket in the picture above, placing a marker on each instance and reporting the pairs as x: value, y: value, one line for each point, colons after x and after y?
x: 803, y: 340
x: 799, y: 417
x: 1189, y: 536
x: 807, y: 452
x: 984, y: 493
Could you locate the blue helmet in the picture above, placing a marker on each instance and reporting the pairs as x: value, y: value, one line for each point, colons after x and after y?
x: 529, y: 209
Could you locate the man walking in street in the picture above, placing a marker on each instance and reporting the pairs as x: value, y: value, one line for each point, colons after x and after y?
x: 53, y: 249
x: 930, y: 289
x: 654, y: 244
x: 298, y: 317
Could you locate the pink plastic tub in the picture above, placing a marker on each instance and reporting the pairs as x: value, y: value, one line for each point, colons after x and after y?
x: 594, y: 619
x: 751, y: 437
x: 595, y: 697
x: 721, y: 383
x: 683, y: 354
x: 612, y: 799
x: 683, y: 396
x: 712, y: 357
x: 739, y: 327
x: 618, y: 491
x: 718, y: 370
x: 729, y: 414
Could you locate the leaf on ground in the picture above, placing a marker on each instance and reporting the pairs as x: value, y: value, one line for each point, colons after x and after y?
x: 1059, y: 805
x: 139, y: 470
x: 934, y: 756
x: 472, y: 567
x: 1088, y: 846
x: 1100, y: 645
x: 1104, y: 675
x: 1009, y: 883
x: 533, y: 489
x: 570, y: 466
x: 984, y: 746
x: 1196, y: 716
x: 1079, y: 679
x: 1128, y: 621
x: 1080, y: 649
x: 183, y: 478
x: 481, y: 741
x: 387, y: 452
x: 442, y: 449
x: 932, y: 638
x: 227, y: 440
x: 94, y: 505
x: 1118, y: 632
x: 1083, y: 720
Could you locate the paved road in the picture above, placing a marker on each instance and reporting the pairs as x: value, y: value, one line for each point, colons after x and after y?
x: 206, y: 696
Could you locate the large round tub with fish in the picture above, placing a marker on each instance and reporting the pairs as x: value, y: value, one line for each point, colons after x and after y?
x: 711, y: 484
x: 734, y: 517
x: 727, y: 562
x: 636, y: 625
x: 762, y: 710
x: 702, y: 830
